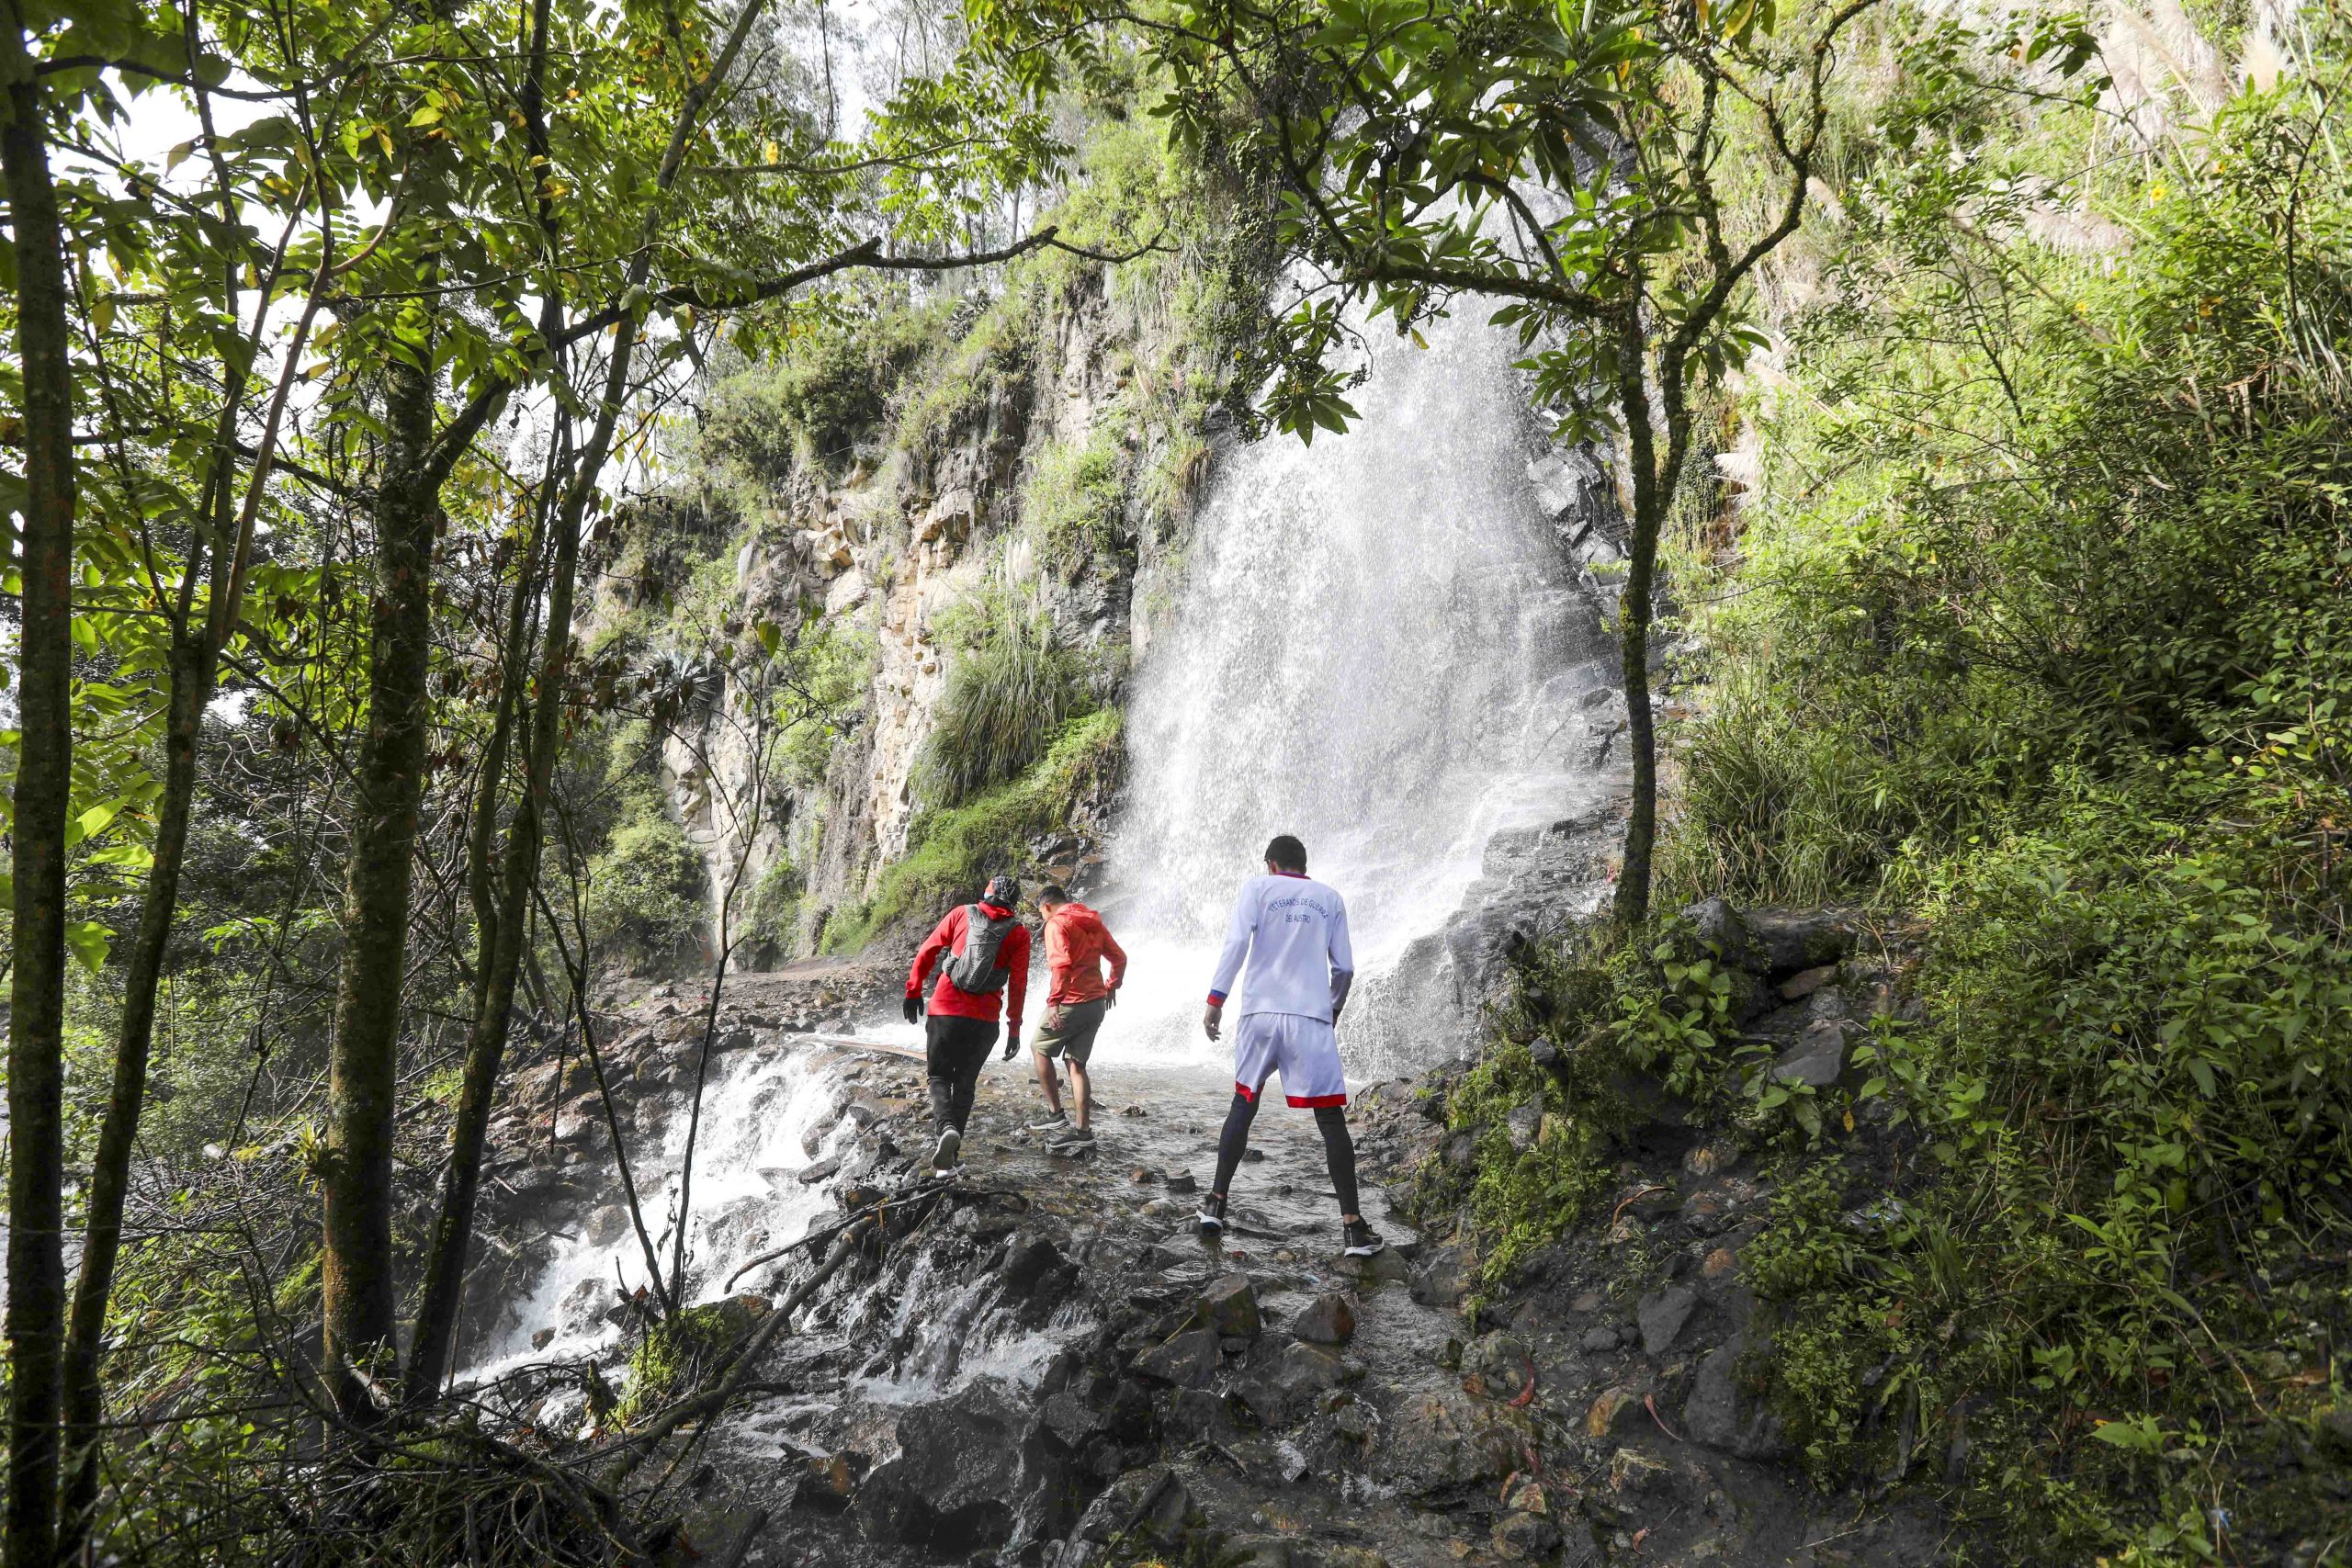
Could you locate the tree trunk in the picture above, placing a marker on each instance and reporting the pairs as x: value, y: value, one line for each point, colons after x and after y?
x: 486, y: 1043
x: 43, y: 796
x: 1631, y: 906
x: 363, y: 1063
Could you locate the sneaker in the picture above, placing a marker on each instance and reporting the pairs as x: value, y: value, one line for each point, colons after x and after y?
x: 951, y: 1144
x: 1211, y: 1218
x: 1362, y: 1240
x: 1053, y: 1124
x: 1075, y: 1136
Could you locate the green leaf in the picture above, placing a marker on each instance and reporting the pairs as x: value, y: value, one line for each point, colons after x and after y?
x: 89, y: 942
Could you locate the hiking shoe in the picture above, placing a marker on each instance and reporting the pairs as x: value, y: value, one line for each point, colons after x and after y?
x: 951, y: 1145
x: 1362, y: 1240
x: 1053, y: 1124
x: 1075, y: 1136
x: 1211, y: 1218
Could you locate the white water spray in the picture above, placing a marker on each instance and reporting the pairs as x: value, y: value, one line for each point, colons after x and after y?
x: 1376, y: 646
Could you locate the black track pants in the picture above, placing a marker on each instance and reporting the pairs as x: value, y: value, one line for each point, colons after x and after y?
x: 955, y: 1050
x: 1338, y: 1148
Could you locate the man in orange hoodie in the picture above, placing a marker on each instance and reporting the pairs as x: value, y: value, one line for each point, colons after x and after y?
x: 1077, y: 945
x: 985, y: 953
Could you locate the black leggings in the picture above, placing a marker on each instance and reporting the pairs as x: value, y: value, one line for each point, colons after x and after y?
x: 955, y: 1050
x: 1339, y: 1149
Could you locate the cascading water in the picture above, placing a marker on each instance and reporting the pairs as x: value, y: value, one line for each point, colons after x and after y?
x: 1378, y: 646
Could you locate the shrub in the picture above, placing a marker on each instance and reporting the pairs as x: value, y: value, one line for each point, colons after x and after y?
x: 645, y: 890
x: 952, y: 850
x: 1074, y: 498
x: 1009, y: 685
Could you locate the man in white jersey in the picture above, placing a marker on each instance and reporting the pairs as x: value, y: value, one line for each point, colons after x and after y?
x: 1292, y: 930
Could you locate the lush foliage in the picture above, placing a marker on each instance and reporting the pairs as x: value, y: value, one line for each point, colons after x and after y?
x: 2041, y: 633
x: 1010, y: 685
x: 952, y: 851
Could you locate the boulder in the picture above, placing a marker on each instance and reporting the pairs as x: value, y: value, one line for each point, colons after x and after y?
x: 1444, y: 1278
x: 1718, y: 1415
x: 1796, y: 940
x: 1496, y: 1366
x: 955, y: 1483
x: 1615, y: 1410
x: 1285, y: 1392
x: 1188, y: 1360
x: 821, y: 1170
x: 1029, y: 1265
x: 1148, y: 1507
x: 1521, y: 1537
x: 1230, y: 1306
x: 1445, y: 1438
x: 1818, y: 1059
x: 1661, y: 1314
x: 1804, y: 982
x: 1725, y: 929
x: 1326, y: 1320
x: 1524, y: 1123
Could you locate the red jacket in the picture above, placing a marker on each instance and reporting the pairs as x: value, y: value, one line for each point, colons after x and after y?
x: 952, y: 999
x: 1077, y: 942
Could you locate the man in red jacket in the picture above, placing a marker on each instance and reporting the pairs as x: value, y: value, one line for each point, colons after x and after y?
x: 982, y: 954
x: 1078, y: 944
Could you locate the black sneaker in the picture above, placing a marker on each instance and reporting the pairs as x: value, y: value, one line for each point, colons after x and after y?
x: 1073, y: 1135
x: 1211, y: 1218
x: 1053, y: 1124
x: 1362, y: 1240
x: 951, y: 1144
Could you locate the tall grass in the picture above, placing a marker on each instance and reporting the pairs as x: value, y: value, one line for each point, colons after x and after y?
x: 1010, y: 683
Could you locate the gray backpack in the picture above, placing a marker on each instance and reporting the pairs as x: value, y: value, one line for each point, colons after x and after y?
x: 973, y: 971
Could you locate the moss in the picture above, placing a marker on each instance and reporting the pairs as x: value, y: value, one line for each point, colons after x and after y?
x: 675, y: 1356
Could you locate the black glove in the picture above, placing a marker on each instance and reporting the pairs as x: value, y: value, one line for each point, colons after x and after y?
x: 914, y: 1010
x: 1012, y: 1044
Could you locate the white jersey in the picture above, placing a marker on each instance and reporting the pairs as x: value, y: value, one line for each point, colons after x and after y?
x: 1294, y: 932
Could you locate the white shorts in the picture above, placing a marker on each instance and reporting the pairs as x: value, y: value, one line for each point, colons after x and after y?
x: 1304, y: 1050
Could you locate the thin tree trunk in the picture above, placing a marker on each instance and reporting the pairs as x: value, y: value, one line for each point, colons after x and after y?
x: 363, y: 1061
x: 1632, y: 904
x: 36, y: 1318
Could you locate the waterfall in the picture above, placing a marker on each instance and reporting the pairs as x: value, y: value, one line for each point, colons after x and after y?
x: 1379, y: 646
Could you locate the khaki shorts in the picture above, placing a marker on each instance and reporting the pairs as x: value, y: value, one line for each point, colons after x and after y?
x: 1075, y: 1038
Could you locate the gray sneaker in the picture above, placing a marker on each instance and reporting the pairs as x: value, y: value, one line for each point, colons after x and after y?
x: 1056, y: 1123
x: 951, y: 1145
x: 1075, y: 1136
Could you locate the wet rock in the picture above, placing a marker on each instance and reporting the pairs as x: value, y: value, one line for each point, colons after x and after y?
x: 827, y: 1481
x: 1030, y: 1266
x: 543, y: 1339
x: 1230, y: 1306
x: 1182, y: 1182
x: 1496, y: 1366
x: 1524, y: 1123
x: 1445, y: 1438
x: 1600, y: 1341
x: 822, y: 1171
x: 1284, y: 1393
x: 1326, y: 1320
x: 1616, y: 1410
x: 1148, y: 1507
x: 1525, y: 1538
x: 1188, y: 1360
x: 1662, y: 1314
x: 1444, y: 1278
x: 1386, y: 1264
x: 1069, y: 1421
x: 1190, y: 1415
x: 955, y: 1484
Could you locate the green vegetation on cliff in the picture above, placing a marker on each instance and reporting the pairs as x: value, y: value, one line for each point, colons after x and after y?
x: 2031, y: 627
